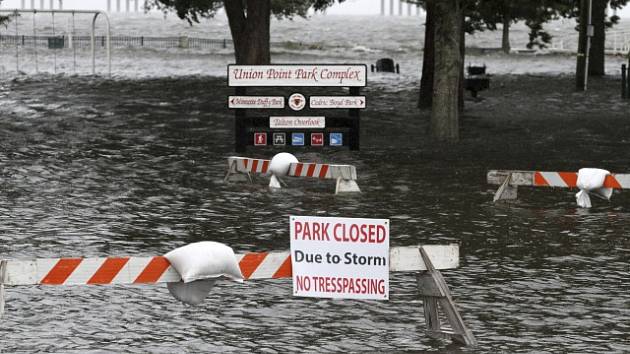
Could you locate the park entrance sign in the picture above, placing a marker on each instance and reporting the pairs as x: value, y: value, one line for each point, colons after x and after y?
x: 340, y: 257
x: 308, y: 129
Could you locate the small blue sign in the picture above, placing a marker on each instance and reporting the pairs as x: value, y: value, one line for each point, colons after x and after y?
x: 336, y: 139
x: 297, y: 139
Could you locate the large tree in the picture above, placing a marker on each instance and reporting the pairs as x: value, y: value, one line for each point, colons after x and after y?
x: 249, y: 20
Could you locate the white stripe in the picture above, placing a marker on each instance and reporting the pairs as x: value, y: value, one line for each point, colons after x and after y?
x: 84, y: 271
x: 131, y: 270
x: 624, y: 181
x: 553, y: 179
x: 269, y: 265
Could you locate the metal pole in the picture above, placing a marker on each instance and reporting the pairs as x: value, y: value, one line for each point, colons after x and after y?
x: 33, y: 4
x: 382, y: 7
x: 54, y: 50
x: 117, y: 5
x: 60, y: 4
x: 74, y: 49
x: 391, y: 7
x: 589, y: 33
x: 109, y: 5
x: 35, y: 42
x: 41, y: 4
x: 624, y: 84
x: 23, y: 4
x: 135, y: 5
x: 52, y: 4
x: 17, y: 43
x: 400, y: 8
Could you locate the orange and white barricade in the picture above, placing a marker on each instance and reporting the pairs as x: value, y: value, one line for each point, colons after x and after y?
x: 510, y: 180
x: 345, y: 175
x: 428, y: 259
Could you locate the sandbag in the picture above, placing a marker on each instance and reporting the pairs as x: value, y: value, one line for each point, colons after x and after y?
x: 591, y: 180
x: 192, y: 293
x: 203, y: 260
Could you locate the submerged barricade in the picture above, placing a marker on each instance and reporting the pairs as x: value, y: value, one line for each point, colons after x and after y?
x: 587, y: 180
x: 344, y: 175
x: 427, y: 260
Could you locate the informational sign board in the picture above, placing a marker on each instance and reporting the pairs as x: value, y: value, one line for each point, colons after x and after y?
x: 256, y: 102
x: 297, y: 122
x: 331, y: 75
x: 264, y: 129
x: 340, y: 102
x: 340, y: 257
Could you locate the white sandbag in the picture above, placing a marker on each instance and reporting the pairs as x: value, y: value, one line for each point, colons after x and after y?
x: 192, y: 293
x: 280, y: 163
x: 203, y: 260
x: 591, y: 180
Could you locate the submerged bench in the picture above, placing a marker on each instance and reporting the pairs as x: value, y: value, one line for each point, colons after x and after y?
x: 345, y: 175
x: 427, y: 259
x: 510, y: 180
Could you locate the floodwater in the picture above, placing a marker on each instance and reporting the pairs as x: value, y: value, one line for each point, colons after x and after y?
x: 135, y: 166
x: 91, y: 167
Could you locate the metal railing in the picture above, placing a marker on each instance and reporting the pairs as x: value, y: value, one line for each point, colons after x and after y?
x: 70, y: 41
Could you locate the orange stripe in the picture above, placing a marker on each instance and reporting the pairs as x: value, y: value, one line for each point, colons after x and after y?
x: 153, y: 271
x: 108, y: 271
x: 250, y: 262
x: 323, y: 171
x: 611, y: 182
x: 254, y: 166
x: 285, y: 270
x: 61, y: 271
x: 539, y: 180
x: 311, y: 170
x: 245, y: 163
x: 265, y: 166
x: 298, y: 169
x: 570, y: 178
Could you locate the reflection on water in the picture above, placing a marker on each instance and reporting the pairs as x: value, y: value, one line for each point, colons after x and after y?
x: 91, y: 168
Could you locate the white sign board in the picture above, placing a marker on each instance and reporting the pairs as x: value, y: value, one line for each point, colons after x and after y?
x: 297, y: 122
x: 331, y: 75
x: 256, y: 102
x: 340, y: 257
x: 337, y: 102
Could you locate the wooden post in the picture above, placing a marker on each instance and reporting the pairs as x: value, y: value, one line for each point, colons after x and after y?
x: 435, y: 295
x: 628, y: 77
x: 355, y: 124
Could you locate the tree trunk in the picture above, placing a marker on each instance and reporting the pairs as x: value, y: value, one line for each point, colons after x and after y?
x: 445, y: 109
x: 505, y: 40
x: 428, y: 57
x: 250, y: 30
x: 597, y: 57
x: 462, y: 51
x: 581, y: 57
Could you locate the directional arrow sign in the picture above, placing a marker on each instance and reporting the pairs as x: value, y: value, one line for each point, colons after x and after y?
x: 337, y: 102
x: 256, y: 102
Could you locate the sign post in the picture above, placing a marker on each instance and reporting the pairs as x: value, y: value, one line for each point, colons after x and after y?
x: 340, y: 257
x: 305, y: 128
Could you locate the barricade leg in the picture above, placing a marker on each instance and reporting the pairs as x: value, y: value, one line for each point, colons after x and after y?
x: 232, y: 173
x: 506, y: 191
x: 346, y: 186
x: 435, y: 295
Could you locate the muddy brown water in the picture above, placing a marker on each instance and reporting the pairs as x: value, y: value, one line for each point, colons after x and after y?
x: 91, y: 167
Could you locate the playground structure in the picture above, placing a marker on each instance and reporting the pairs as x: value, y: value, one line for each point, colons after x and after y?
x: 16, y: 12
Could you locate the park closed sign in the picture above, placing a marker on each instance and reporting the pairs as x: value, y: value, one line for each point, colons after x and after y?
x: 340, y: 257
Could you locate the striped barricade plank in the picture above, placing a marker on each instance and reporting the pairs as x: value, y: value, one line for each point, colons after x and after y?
x: 510, y: 180
x: 323, y: 171
x: 247, y: 165
x: 152, y: 270
x: 345, y: 175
